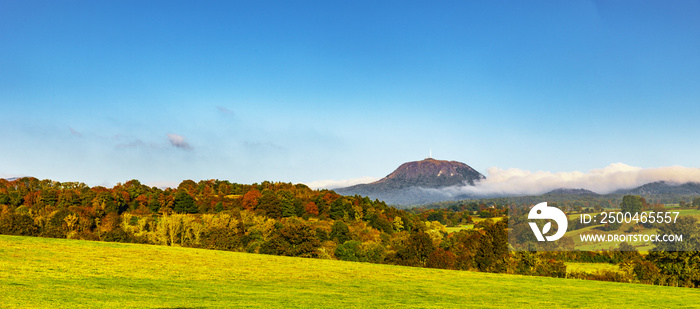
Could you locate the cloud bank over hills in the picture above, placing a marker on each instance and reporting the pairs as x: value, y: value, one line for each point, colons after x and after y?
x: 516, y: 182
x: 332, y: 184
x: 609, y: 179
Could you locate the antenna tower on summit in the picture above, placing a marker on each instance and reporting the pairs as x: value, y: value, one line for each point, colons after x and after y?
x: 430, y: 156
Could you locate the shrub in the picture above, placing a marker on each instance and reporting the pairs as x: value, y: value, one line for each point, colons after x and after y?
x: 16, y: 224
x: 340, y: 232
x: 350, y: 251
x: 221, y: 238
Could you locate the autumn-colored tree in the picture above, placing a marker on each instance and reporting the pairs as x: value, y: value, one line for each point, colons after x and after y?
x: 250, y: 199
x: 140, y: 201
x: 416, y: 251
x: 294, y: 239
x: 310, y: 208
x: 110, y: 222
x: 16, y: 224
x: 188, y: 185
x: 441, y: 258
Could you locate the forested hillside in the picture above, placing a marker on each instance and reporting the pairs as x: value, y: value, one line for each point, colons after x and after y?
x: 293, y: 220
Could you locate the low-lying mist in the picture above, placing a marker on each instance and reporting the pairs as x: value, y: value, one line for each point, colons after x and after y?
x: 614, y: 177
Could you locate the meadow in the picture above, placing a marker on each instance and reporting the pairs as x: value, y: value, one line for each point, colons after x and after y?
x: 60, y: 273
x: 591, y: 268
x: 453, y: 229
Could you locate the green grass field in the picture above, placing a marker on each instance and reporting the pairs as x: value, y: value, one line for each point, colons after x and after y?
x: 591, y: 268
x: 58, y: 273
x: 453, y: 229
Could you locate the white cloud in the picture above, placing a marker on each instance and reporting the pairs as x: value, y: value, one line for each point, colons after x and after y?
x: 333, y: 184
x: 606, y: 180
x: 179, y: 141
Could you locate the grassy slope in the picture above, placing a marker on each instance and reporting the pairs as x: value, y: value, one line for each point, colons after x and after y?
x: 37, y: 272
x: 590, y: 268
x: 471, y: 225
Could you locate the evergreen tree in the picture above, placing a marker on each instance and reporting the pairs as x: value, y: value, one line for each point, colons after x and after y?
x: 184, y: 203
x: 340, y: 233
x: 270, y: 203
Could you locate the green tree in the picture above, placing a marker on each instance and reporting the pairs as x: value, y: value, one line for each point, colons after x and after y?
x: 286, y: 199
x: 696, y: 202
x: 681, y: 268
x: 49, y: 196
x: 153, y: 203
x: 687, y: 227
x: 219, y: 207
x: 4, y: 198
x: 184, y: 203
x: 339, y: 208
x: 270, y: 203
x: 340, y: 233
x: 678, y: 261
x: 17, y: 224
x: 374, y: 252
x: 419, y: 248
x: 492, y: 253
x: 632, y: 204
x: 598, y: 208
x: 350, y: 251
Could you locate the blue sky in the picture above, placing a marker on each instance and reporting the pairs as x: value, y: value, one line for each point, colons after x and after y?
x: 299, y: 91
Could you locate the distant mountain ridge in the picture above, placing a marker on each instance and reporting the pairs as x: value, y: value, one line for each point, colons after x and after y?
x: 411, y: 183
x: 577, y: 192
x: 663, y: 187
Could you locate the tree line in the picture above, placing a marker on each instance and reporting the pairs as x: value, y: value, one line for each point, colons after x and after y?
x: 272, y: 218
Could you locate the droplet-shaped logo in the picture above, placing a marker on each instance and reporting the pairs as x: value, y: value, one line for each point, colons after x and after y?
x: 542, y: 211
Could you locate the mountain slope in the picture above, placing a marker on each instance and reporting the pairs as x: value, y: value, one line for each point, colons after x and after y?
x: 662, y: 187
x: 575, y: 192
x: 415, y: 182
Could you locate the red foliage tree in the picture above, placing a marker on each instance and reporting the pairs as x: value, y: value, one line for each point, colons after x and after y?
x: 441, y: 258
x: 250, y: 199
x: 311, y: 208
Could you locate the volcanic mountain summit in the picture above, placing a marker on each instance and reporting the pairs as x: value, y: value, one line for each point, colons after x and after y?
x: 412, y: 182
